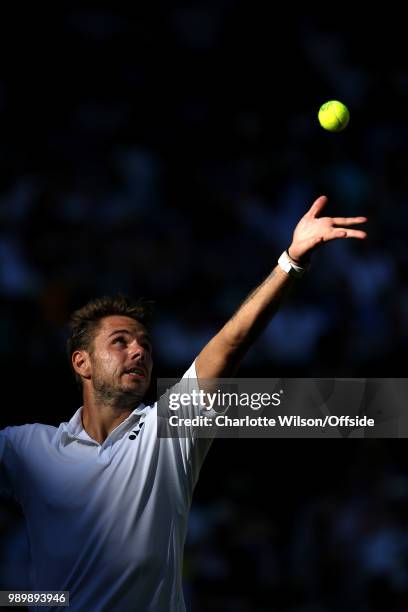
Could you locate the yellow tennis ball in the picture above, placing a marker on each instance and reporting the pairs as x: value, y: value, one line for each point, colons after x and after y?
x: 334, y: 116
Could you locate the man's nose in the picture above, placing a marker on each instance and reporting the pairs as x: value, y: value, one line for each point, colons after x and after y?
x: 137, y: 351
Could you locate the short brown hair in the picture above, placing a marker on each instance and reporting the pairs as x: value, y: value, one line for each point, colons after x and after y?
x: 84, y: 322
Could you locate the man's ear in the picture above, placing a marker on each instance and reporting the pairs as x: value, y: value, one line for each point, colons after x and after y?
x: 81, y: 363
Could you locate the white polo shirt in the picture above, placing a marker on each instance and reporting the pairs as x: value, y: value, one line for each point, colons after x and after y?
x: 106, y: 522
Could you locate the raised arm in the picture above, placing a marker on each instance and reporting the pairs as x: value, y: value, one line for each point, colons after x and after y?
x: 224, y: 352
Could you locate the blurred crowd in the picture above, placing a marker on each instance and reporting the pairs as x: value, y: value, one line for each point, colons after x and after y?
x: 169, y: 151
x: 336, y: 540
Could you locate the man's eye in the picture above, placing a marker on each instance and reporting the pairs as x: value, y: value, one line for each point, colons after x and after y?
x: 119, y: 339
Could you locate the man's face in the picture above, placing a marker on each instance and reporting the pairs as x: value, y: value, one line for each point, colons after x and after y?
x: 121, y: 359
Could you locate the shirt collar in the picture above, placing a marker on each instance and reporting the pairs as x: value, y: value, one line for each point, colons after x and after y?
x: 73, y: 429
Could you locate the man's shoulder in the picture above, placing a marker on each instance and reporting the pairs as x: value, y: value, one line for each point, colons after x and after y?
x: 19, y: 434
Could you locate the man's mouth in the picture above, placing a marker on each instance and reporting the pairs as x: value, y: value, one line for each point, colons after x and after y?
x: 136, y: 372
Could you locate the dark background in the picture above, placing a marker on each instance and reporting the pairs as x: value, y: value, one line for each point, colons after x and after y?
x: 168, y: 151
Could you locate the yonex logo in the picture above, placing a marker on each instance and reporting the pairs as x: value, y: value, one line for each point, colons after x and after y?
x: 136, y: 431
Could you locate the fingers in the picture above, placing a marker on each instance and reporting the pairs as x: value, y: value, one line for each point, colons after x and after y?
x: 317, y: 206
x: 348, y: 220
x: 341, y: 232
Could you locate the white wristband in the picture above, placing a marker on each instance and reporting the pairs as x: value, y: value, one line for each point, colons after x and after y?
x: 290, y: 267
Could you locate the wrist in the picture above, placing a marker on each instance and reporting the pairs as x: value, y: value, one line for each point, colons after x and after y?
x: 290, y: 266
x: 300, y: 260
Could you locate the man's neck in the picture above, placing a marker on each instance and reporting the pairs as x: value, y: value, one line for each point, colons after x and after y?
x: 100, y: 420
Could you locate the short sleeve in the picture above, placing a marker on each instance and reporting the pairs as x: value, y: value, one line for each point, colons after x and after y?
x: 193, y: 447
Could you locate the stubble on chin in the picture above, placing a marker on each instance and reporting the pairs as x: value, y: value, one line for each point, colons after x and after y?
x: 116, y: 397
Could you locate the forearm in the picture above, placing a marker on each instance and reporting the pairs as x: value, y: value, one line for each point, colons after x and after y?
x: 223, y: 354
x: 256, y: 311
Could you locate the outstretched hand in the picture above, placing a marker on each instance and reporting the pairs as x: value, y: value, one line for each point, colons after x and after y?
x: 312, y: 231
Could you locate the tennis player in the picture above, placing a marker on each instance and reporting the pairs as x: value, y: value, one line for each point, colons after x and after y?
x: 106, y: 501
